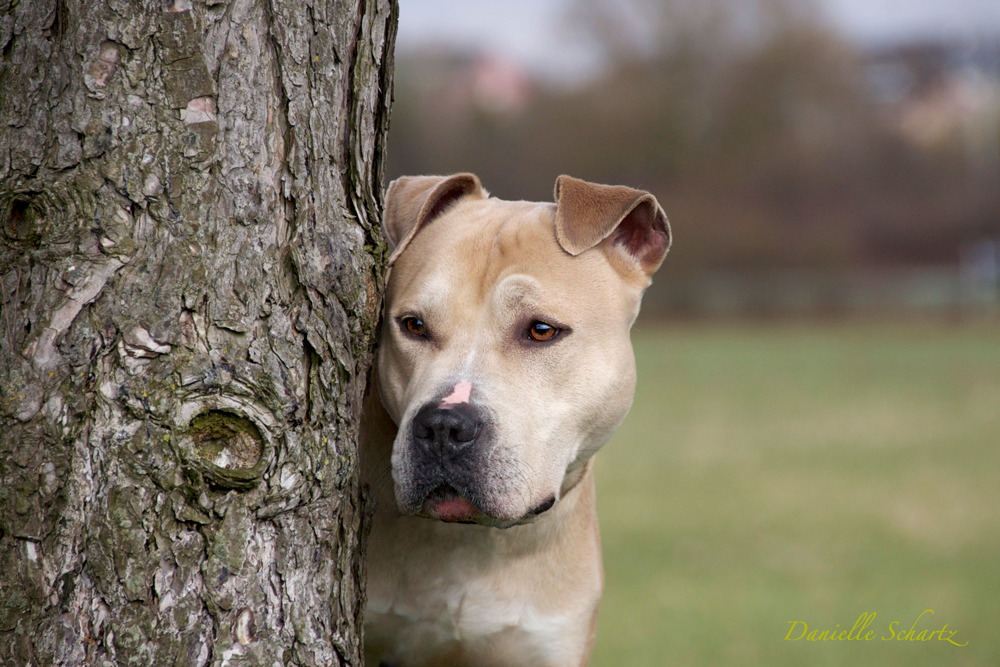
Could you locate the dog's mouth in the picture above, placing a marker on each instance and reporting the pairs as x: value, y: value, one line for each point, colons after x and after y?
x: 543, y: 506
x: 446, y: 504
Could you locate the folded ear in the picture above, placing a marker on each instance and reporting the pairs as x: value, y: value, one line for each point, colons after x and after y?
x: 629, y: 221
x: 413, y: 201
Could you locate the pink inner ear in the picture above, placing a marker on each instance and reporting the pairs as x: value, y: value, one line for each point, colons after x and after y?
x: 644, y: 235
x: 446, y: 199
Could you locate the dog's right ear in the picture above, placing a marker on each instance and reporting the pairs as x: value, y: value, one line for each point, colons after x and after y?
x: 413, y: 201
x: 628, y: 223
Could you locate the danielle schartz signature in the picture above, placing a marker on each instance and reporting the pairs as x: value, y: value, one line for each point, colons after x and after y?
x: 861, y: 632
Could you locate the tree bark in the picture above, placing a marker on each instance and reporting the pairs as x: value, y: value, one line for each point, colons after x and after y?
x: 190, y: 277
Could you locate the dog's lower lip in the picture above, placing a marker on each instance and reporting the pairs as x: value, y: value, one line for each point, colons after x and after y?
x: 446, y: 504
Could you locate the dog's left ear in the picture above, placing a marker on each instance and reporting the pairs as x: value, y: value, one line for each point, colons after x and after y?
x: 626, y: 220
x: 413, y: 201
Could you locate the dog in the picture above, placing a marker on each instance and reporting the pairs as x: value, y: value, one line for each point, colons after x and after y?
x: 504, y: 364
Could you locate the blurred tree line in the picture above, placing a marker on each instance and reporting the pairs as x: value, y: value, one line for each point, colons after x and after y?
x: 753, y: 122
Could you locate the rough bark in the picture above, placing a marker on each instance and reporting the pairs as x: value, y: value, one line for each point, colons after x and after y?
x: 190, y: 278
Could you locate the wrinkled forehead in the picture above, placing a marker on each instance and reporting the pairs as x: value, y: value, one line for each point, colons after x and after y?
x: 474, y: 245
x: 501, y: 257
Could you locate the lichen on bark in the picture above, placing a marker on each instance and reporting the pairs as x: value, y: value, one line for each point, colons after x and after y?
x: 190, y: 283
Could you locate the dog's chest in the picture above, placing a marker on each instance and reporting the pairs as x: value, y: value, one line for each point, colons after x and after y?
x: 466, y: 624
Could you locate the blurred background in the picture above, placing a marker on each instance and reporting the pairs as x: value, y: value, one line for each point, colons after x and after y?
x: 814, y: 157
x: 816, y: 433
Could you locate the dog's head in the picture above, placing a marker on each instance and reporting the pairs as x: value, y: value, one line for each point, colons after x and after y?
x: 505, y: 357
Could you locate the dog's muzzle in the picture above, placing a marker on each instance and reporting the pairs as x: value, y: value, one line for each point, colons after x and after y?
x: 448, y: 444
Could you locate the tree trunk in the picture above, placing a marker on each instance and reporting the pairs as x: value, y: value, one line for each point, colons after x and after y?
x: 190, y: 278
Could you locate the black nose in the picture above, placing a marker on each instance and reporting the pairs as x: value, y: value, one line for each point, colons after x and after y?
x: 447, y: 429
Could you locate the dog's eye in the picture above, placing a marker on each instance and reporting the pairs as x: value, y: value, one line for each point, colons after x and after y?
x: 415, y: 326
x: 542, y: 332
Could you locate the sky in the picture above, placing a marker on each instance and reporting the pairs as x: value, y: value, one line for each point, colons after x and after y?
x: 532, y: 32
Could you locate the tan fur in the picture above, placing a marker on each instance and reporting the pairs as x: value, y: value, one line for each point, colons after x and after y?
x: 478, y: 271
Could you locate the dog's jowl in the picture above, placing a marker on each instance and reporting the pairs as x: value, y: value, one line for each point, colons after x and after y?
x: 504, y: 365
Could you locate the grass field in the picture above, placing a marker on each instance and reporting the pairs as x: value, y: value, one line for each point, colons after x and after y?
x: 813, y: 473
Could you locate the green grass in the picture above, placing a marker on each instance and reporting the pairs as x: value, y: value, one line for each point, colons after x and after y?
x: 804, y: 473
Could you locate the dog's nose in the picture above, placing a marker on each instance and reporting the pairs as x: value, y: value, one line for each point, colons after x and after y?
x: 446, y: 429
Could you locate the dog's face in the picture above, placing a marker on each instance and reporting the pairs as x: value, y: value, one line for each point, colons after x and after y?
x: 505, y: 357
